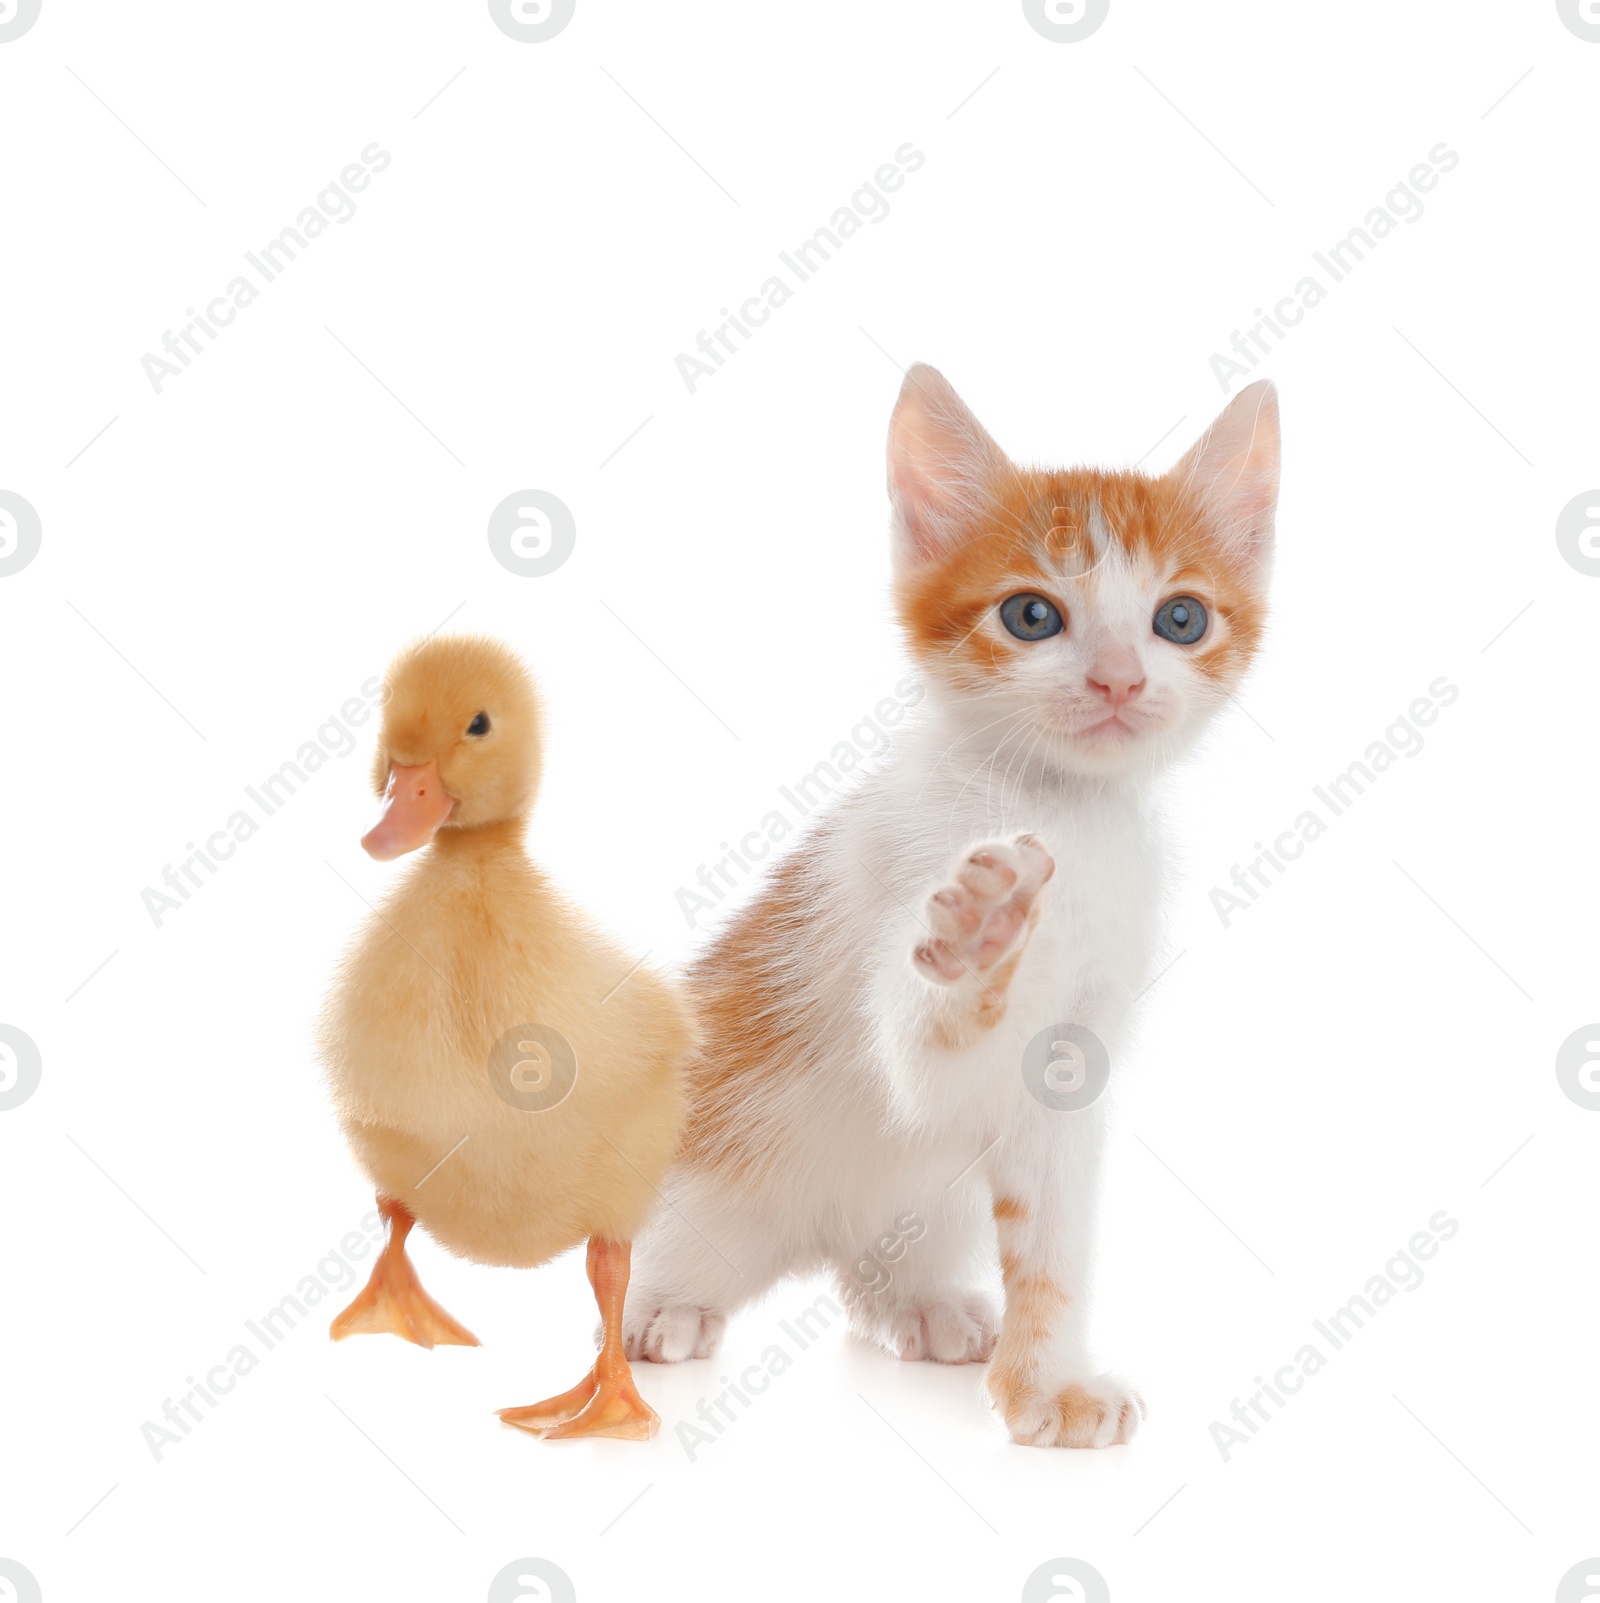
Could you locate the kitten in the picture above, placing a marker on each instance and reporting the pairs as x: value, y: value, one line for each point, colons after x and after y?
x: 916, y: 1015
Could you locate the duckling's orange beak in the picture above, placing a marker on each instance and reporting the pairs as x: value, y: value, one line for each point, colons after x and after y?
x: 414, y: 806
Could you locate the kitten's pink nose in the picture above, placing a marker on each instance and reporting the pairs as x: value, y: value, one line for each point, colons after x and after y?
x: 1118, y: 675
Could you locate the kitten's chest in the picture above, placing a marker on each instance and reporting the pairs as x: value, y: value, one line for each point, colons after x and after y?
x: 1098, y: 915
x: 1098, y: 924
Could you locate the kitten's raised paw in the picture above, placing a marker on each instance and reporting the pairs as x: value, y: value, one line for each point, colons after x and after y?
x: 982, y: 915
x: 670, y: 1335
x: 945, y: 1332
x: 1102, y: 1411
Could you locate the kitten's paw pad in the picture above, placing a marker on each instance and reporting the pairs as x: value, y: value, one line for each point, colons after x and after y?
x: 945, y: 1332
x: 670, y: 1335
x: 975, y: 920
x: 1103, y: 1411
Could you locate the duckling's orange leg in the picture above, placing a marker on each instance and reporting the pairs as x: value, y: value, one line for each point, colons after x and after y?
x: 393, y: 1301
x: 605, y: 1402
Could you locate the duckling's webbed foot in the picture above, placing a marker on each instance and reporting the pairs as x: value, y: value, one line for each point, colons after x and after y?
x: 539, y: 1418
x: 605, y: 1402
x: 393, y: 1302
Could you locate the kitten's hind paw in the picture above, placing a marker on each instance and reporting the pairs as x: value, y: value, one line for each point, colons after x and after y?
x: 983, y: 916
x: 945, y: 1332
x: 670, y: 1335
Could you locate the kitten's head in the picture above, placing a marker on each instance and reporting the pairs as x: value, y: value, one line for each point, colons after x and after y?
x: 1095, y: 619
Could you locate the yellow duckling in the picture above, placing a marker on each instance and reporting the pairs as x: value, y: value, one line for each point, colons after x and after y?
x: 506, y: 1076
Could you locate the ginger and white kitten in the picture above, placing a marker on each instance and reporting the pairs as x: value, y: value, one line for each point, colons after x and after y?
x: 873, y: 1022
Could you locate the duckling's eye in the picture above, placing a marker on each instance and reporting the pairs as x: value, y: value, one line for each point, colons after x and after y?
x: 1031, y: 617
x: 1182, y: 620
x: 479, y: 725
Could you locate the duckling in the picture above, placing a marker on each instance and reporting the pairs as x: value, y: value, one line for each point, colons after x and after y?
x: 506, y: 1076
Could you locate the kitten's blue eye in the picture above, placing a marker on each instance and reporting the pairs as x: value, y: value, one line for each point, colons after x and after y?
x: 1031, y: 617
x: 479, y: 725
x: 1182, y: 620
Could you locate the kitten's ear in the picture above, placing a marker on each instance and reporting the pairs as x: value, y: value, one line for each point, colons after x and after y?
x: 1233, y: 469
x: 942, y: 467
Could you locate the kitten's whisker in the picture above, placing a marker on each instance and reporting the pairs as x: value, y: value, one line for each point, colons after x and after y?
x: 987, y: 764
x: 1005, y: 780
x: 970, y: 735
x: 1022, y: 776
x: 989, y: 773
x: 964, y: 734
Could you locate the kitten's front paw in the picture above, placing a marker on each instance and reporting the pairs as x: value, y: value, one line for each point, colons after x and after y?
x: 1099, y: 1411
x: 982, y: 916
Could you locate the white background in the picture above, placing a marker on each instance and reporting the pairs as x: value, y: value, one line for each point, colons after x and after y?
x: 229, y: 560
